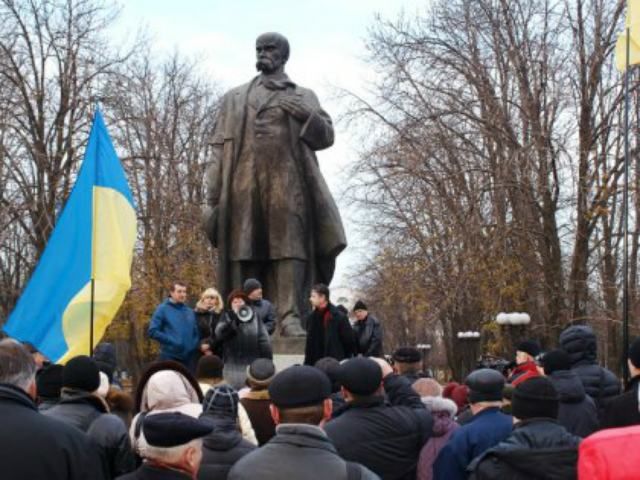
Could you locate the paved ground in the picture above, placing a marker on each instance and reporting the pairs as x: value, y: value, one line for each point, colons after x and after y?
x: 283, y: 361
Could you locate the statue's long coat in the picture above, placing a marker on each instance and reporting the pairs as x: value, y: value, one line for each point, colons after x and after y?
x: 324, y: 238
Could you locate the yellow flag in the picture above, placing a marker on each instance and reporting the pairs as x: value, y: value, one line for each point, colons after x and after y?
x: 633, y: 24
x: 621, y: 52
x: 633, y: 14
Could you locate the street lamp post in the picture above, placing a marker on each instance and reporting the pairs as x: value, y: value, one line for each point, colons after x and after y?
x: 471, y: 337
x: 517, y: 320
x: 424, y: 349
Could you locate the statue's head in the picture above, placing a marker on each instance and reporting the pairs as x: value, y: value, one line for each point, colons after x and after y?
x: 272, y: 52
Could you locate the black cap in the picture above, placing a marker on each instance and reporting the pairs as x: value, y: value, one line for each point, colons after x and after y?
x: 261, y: 372
x: 360, y: 376
x: 167, y: 430
x: 299, y: 386
x: 359, y: 306
x: 81, y: 373
x: 209, y: 366
x: 534, y: 398
x: 634, y: 352
x: 407, y: 355
x: 251, y: 284
x: 49, y: 381
x: 485, y: 385
x: 529, y: 346
x: 555, y: 360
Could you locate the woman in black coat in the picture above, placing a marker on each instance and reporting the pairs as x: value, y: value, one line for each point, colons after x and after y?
x: 242, y: 341
x: 208, y: 312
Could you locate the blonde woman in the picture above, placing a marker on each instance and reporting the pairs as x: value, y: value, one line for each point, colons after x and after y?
x: 208, y: 311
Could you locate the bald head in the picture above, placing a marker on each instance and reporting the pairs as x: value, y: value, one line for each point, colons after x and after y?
x: 272, y: 52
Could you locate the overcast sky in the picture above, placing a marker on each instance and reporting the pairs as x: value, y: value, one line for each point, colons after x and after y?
x: 327, y: 51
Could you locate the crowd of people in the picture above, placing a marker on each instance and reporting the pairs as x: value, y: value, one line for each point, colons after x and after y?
x: 213, y: 406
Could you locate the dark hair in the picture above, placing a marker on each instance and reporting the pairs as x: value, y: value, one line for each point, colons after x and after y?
x: 321, y: 289
x: 175, y: 284
x: 237, y: 293
x: 309, y: 414
x: 17, y: 366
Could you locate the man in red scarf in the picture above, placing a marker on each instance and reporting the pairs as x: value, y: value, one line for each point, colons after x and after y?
x: 526, y: 368
x: 329, y: 333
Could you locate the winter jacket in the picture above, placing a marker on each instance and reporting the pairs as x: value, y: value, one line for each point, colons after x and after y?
x: 243, y: 342
x: 89, y: 413
x: 333, y: 338
x: 443, y: 412
x: 538, y: 448
x: 486, y: 429
x: 34, y: 446
x: 368, y: 337
x: 164, y: 387
x: 207, y: 322
x: 266, y: 313
x: 105, y: 356
x: 577, y: 412
x: 297, y: 452
x: 256, y: 403
x: 222, y: 448
x: 152, y: 472
x: 600, y: 383
x: 623, y: 410
x: 385, y: 437
x: 523, y: 372
x: 174, y: 326
x: 610, y: 454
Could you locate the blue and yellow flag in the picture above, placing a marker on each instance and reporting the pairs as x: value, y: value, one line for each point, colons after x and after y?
x: 632, y: 25
x: 93, y: 239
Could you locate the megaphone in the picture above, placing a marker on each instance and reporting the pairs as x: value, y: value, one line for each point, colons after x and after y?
x: 245, y: 314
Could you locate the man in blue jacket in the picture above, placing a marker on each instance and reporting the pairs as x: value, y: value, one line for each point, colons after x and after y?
x: 485, y: 429
x: 174, y: 326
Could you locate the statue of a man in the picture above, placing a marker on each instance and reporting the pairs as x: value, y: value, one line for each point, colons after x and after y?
x: 270, y: 213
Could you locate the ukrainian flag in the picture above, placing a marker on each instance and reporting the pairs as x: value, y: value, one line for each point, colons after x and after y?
x: 93, y: 239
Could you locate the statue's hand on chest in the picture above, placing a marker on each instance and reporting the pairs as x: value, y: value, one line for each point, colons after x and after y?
x: 296, y: 107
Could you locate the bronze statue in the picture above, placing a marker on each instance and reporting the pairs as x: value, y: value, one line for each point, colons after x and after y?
x: 270, y: 213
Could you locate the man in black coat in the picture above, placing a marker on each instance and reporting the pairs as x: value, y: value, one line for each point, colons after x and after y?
x: 300, y: 450
x: 329, y: 333
x: 32, y: 445
x: 539, y: 446
x: 623, y: 410
x: 384, y: 437
x: 577, y: 411
x: 263, y: 307
x: 579, y: 341
x: 83, y: 409
x: 368, y: 332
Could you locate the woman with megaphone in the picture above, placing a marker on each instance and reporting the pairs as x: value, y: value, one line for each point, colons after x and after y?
x: 244, y: 339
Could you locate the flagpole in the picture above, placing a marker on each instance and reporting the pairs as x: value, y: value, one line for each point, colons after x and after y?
x: 625, y: 202
x: 93, y: 240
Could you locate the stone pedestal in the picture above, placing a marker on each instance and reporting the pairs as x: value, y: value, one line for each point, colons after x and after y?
x: 287, y: 351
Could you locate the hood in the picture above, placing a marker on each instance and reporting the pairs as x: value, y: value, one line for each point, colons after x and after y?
x: 225, y: 434
x: 568, y: 385
x: 176, y: 386
x: 580, y: 343
x: 440, y: 404
x: 69, y: 396
x: 167, y: 389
